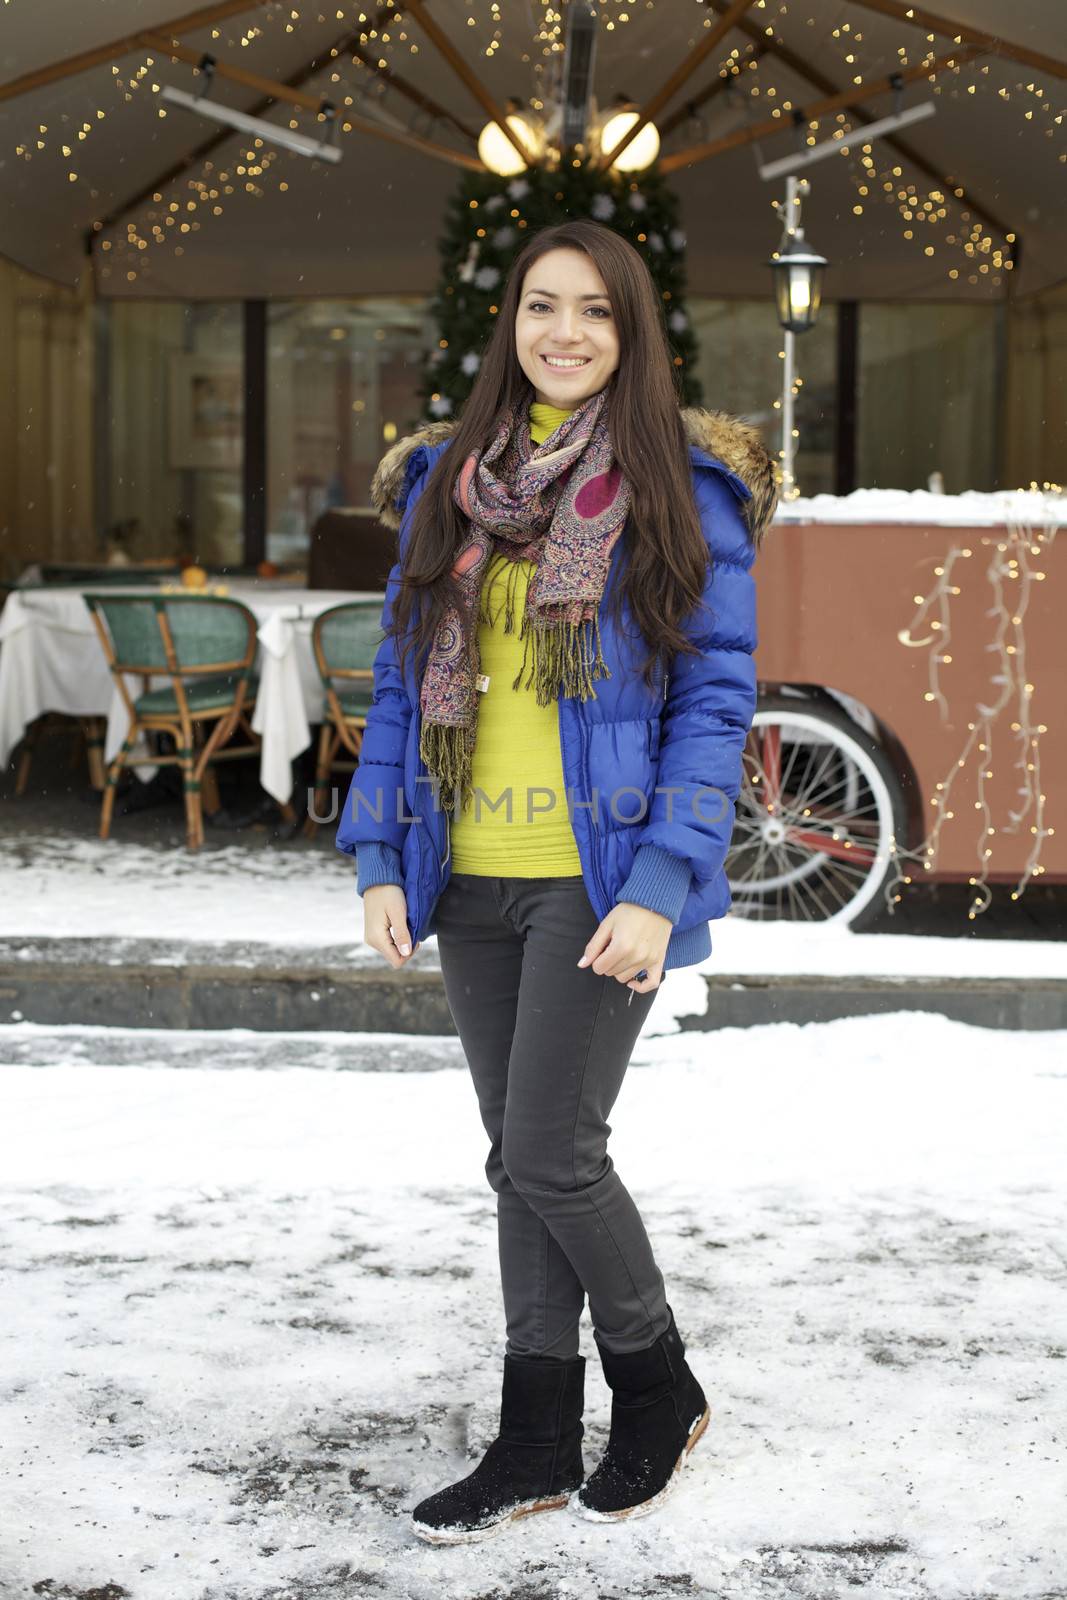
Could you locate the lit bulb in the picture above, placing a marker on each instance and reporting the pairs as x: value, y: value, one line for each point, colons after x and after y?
x: 640, y: 152
x: 496, y: 151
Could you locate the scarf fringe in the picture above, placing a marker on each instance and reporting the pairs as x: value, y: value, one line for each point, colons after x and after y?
x: 567, y: 655
x: 495, y: 563
x: 448, y: 751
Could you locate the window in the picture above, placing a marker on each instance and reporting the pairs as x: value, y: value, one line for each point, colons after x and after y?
x: 927, y: 396
x: 741, y: 372
x: 343, y: 380
x: 174, y: 401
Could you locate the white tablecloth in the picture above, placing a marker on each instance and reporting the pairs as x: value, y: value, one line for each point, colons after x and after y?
x: 51, y: 660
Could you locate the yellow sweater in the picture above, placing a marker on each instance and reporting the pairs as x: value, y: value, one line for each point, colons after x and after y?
x: 517, y: 747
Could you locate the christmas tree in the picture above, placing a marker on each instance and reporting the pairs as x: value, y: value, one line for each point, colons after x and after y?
x: 488, y: 220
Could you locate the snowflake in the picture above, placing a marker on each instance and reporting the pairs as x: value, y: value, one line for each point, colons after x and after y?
x: 503, y: 237
x: 655, y: 241
x: 487, y: 277
x: 677, y: 239
x: 494, y: 202
x: 517, y: 188
x: 470, y: 363
x: 603, y: 207
x: 678, y: 321
x: 441, y: 407
x: 638, y: 202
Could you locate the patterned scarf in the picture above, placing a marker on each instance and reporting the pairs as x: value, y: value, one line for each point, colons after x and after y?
x: 562, y: 505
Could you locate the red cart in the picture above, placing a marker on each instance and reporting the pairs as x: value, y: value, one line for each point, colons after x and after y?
x: 910, y: 719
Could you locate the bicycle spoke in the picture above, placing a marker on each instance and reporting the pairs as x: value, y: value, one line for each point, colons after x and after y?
x: 811, y: 823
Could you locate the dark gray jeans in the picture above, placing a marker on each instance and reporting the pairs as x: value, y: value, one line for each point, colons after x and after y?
x: 548, y: 1044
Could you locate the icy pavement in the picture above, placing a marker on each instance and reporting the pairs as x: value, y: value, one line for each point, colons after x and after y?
x: 248, y: 1317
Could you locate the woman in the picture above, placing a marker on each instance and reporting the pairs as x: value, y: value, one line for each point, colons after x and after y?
x: 547, y: 783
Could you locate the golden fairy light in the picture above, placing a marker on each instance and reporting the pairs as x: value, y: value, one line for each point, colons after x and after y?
x: 938, y: 221
x: 1015, y: 560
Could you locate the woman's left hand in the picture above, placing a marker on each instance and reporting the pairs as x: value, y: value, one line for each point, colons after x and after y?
x: 631, y: 939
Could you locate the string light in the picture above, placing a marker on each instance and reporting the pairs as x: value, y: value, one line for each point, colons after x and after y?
x: 969, y: 250
x: 936, y: 220
x: 1010, y: 572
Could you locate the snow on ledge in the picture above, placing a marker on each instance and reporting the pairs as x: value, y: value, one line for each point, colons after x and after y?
x: 1041, y: 507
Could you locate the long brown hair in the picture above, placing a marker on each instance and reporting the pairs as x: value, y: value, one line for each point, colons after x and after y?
x: 663, y: 578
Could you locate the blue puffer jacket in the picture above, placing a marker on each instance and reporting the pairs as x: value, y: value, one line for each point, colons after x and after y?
x: 664, y: 850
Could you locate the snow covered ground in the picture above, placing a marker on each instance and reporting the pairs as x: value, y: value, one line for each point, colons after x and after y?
x: 84, y: 888
x: 248, y: 1317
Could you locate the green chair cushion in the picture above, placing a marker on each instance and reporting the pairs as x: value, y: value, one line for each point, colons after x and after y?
x: 354, y: 702
x: 203, y: 694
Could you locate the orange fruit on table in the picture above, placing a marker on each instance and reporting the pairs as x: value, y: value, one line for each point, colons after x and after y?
x: 194, y: 578
x: 267, y: 569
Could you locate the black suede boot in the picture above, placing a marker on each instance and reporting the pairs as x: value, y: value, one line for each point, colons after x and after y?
x: 534, y: 1464
x: 658, y: 1412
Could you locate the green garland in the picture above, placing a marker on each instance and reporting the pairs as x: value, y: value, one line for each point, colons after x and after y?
x: 640, y: 206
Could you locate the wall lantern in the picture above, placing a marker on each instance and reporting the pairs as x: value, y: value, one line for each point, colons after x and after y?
x: 798, y: 275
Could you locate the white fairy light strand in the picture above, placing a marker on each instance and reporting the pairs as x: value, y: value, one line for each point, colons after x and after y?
x: 1010, y: 562
x: 384, y: 34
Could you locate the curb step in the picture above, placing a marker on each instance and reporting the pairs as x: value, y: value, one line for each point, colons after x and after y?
x: 158, y: 984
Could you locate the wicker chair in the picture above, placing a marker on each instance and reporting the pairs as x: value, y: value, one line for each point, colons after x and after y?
x: 345, y: 640
x: 206, y: 646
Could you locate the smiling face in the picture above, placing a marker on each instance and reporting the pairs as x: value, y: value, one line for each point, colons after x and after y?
x: 564, y: 312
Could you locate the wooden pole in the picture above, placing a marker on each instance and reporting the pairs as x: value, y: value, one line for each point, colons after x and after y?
x: 250, y: 80
x: 413, y: 141
x: 807, y: 69
x: 313, y: 102
x: 711, y: 40
x: 409, y: 92
x: 834, y: 102
x: 85, y: 59
x: 966, y: 34
x: 444, y: 45
x: 207, y: 147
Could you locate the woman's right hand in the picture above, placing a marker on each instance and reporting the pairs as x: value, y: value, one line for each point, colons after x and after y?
x: 385, y: 923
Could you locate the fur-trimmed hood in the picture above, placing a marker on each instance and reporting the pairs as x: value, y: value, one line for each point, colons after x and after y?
x: 737, y: 444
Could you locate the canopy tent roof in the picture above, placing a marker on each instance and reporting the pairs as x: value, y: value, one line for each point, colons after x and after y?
x: 370, y: 224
